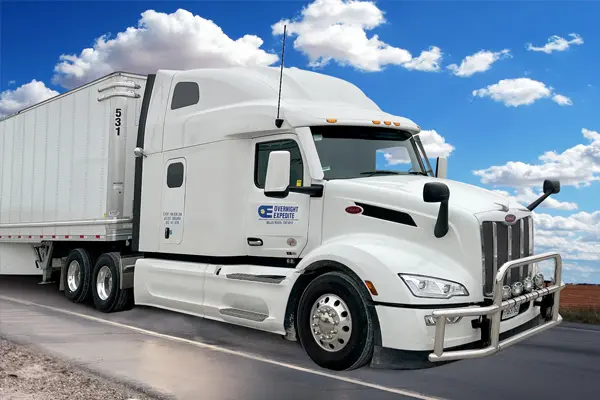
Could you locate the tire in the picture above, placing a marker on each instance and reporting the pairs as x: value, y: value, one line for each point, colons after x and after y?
x: 353, y: 337
x: 106, y: 292
x: 77, y: 275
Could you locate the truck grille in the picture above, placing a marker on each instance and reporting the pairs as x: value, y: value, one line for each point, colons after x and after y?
x: 501, y: 243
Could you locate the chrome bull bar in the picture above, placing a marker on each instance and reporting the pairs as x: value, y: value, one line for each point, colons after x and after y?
x: 494, y: 311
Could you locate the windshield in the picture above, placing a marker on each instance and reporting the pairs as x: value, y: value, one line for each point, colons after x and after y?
x: 348, y: 152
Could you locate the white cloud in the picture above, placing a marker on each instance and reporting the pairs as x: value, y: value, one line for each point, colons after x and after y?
x: 336, y: 30
x: 428, y: 60
x: 526, y: 196
x: 576, y: 237
x: 11, y: 83
x: 576, y: 166
x: 518, y: 92
x: 24, y: 96
x: 435, y: 146
x: 179, y: 40
x: 478, y: 62
x: 557, y: 43
x: 562, y: 100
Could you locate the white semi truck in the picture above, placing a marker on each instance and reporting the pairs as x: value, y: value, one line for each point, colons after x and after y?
x: 252, y: 196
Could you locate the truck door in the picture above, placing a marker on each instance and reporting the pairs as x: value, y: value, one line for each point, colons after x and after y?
x: 173, y: 201
x: 277, y: 227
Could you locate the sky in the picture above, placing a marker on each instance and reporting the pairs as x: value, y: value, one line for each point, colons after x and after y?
x: 507, y: 90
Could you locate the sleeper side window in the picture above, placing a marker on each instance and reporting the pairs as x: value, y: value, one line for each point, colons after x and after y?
x: 262, y: 159
x: 185, y: 94
x: 175, y: 175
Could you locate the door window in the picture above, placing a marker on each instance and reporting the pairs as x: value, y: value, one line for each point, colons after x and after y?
x: 262, y: 158
x: 175, y: 175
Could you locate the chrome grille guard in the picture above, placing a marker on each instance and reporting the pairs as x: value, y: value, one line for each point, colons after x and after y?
x: 494, y: 311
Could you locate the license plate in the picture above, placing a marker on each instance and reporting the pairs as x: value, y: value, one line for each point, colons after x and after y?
x: 511, y: 311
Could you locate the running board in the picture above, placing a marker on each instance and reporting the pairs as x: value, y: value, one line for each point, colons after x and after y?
x: 243, y: 314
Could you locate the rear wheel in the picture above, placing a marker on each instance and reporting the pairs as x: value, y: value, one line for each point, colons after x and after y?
x: 106, y: 291
x: 334, y: 324
x: 76, y: 277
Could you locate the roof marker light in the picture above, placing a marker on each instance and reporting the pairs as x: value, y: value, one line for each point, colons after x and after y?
x: 387, y: 122
x: 376, y: 122
x: 397, y: 123
x: 331, y: 120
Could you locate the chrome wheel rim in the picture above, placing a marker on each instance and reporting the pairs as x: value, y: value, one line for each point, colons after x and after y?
x: 331, y: 322
x: 104, y: 282
x: 73, y: 275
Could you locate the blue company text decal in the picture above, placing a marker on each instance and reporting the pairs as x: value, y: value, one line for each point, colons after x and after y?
x: 278, y: 214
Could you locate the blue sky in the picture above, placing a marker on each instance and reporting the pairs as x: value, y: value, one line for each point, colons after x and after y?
x: 481, y: 132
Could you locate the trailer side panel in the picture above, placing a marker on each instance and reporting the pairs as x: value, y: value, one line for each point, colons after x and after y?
x: 67, y: 165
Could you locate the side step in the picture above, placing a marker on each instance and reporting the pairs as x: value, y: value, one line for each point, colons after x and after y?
x: 243, y: 314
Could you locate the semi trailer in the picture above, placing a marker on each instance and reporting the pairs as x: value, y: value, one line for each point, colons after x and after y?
x: 252, y: 196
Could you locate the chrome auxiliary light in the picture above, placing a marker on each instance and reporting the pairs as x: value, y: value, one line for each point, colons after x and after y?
x: 538, y: 281
x: 516, y: 289
x: 527, y: 285
x: 506, y: 293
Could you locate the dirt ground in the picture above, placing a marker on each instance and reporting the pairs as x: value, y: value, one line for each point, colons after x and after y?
x: 580, y: 296
x: 28, y: 375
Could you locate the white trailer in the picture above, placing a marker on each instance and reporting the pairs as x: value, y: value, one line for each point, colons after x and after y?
x: 195, y: 191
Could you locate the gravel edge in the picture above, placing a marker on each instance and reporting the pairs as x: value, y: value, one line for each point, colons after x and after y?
x: 30, y: 373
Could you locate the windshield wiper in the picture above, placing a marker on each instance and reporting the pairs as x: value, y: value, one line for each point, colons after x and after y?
x: 417, y: 173
x: 380, y: 172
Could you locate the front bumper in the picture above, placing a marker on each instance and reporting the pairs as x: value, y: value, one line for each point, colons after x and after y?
x: 493, y: 313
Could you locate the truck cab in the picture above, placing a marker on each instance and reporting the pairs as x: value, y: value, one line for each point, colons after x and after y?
x: 282, y: 218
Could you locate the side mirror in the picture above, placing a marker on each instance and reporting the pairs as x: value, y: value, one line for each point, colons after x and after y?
x: 441, y: 168
x: 550, y: 187
x: 278, y: 174
x: 437, y: 192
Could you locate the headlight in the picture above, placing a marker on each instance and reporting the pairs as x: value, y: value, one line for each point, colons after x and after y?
x: 426, y: 286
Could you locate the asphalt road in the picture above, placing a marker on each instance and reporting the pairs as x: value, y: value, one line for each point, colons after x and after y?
x: 562, y: 362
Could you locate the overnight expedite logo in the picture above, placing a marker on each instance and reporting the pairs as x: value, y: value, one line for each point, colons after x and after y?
x: 278, y: 214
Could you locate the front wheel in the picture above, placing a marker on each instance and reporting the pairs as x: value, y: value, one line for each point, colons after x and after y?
x: 334, y: 324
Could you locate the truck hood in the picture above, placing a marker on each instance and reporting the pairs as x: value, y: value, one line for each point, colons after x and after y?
x: 470, y: 198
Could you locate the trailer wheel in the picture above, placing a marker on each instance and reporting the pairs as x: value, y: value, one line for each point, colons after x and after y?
x: 76, y: 279
x: 106, y: 292
x: 334, y: 324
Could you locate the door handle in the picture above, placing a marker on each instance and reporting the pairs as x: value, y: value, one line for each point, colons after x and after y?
x: 255, y: 241
x: 167, y: 233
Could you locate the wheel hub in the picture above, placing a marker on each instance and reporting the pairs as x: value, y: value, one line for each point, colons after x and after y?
x: 73, y: 275
x: 331, y: 323
x: 104, y: 282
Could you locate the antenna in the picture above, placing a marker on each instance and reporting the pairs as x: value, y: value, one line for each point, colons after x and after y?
x: 279, y: 121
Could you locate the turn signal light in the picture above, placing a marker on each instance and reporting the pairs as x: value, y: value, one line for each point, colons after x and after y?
x: 371, y: 288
